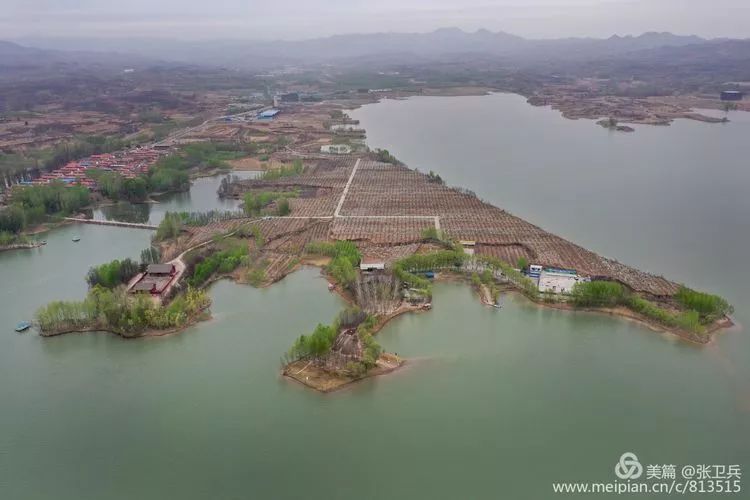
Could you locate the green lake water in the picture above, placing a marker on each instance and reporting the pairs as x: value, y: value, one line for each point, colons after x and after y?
x: 492, y: 404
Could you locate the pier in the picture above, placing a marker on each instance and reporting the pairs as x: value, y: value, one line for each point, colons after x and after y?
x: 111, y: 223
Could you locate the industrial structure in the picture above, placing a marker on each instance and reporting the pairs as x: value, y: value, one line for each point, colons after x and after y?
x: 268, y: 114
x: 731, y: 95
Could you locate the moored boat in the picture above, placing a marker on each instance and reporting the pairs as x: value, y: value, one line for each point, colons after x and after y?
x: 23, y: 326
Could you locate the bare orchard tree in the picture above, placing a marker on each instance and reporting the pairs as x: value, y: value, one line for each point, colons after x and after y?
x: 378, y: 293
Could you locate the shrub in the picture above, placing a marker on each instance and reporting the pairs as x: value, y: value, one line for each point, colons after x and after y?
x: 282, y: 207
x: 406, y: 268
x: 688, y: 320
x: 222, y: 262
x: 316, y: 345
x: 255, y: 202
x: 345, y: 258
x: 598, y: 294
x: 169, y: 227
x: 256, y: 276
x: 528, y: 287
x: 295, y: 168
x: 116, y: 311
x: 708, y: 306
x: 113, y: 274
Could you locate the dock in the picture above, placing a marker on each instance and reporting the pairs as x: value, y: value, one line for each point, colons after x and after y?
x: 111, y: 223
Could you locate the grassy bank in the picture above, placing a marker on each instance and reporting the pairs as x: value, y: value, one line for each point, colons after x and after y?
x: 691, y: 311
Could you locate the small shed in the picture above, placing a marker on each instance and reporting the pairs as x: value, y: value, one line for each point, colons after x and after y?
x: 469, y: 246
x: 144, y: 287
x: 160, y: 269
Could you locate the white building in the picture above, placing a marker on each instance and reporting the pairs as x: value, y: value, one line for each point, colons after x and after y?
x: 559, y: 280
x: 468, y: 246
x: 336, y: 149
x: 371, y: 265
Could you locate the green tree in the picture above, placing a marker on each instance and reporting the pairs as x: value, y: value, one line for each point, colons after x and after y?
x: 282, y: 207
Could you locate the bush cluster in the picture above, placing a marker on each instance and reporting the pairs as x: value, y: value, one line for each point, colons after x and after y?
x: 118, y: 312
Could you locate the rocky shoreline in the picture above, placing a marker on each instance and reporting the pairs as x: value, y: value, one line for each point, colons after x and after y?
x: 20, y: 246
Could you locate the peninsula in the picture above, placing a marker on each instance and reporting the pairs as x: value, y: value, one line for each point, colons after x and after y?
x: 383, y: 233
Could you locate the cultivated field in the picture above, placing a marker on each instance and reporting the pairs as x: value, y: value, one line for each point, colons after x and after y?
x: 387, y: 208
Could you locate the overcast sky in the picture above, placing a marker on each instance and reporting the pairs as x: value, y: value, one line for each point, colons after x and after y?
x: 295, y: 19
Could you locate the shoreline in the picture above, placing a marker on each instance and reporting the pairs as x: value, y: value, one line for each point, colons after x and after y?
x: 620, y: 312
x: 685, y: 107
x: 199, y: 317
x: 20, y: 246
x: 703, y: 338
x: 325, y: 382
x: 328, y: 383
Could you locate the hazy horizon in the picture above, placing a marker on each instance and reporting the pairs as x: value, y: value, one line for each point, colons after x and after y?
x: 297, y: 19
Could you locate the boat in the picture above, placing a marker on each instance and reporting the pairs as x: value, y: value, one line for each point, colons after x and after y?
x: 23, y: 326
x: 77, y: 239
x: 43, y: 242
x: 331, y: 286
x: 498, y: 305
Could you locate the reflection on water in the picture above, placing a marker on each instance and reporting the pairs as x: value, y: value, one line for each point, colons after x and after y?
x: 127, y: 212
x: 202, y: 197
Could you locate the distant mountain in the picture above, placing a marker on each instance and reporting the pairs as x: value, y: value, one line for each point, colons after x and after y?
x: 15, y: 59
x: 12, y: 54
x: 584, y: 48
x: 395, y: 47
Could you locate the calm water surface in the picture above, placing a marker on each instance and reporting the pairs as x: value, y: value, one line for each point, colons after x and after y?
x: 201, y: 198
x: 495, y: 404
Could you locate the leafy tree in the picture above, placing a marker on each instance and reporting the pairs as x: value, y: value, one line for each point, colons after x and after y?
x: 150, y: 255
x: 708, y: 306
x: 112, y: 274
x: 12, y: 219
x: 169, y: 227
x: 598, y: 294
x: 522, y: 263
x: 282, y: 207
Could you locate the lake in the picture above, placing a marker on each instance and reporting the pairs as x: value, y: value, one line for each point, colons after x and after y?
x: 201, y: 198
x: 492, y: 404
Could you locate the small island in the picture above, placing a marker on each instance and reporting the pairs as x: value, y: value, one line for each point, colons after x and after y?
x: 612, y: 124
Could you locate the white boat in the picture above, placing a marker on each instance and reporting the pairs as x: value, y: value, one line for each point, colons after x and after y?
x: 23, y: 326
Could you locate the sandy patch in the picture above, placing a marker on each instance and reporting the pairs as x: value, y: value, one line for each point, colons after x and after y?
x: 246, y: 164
